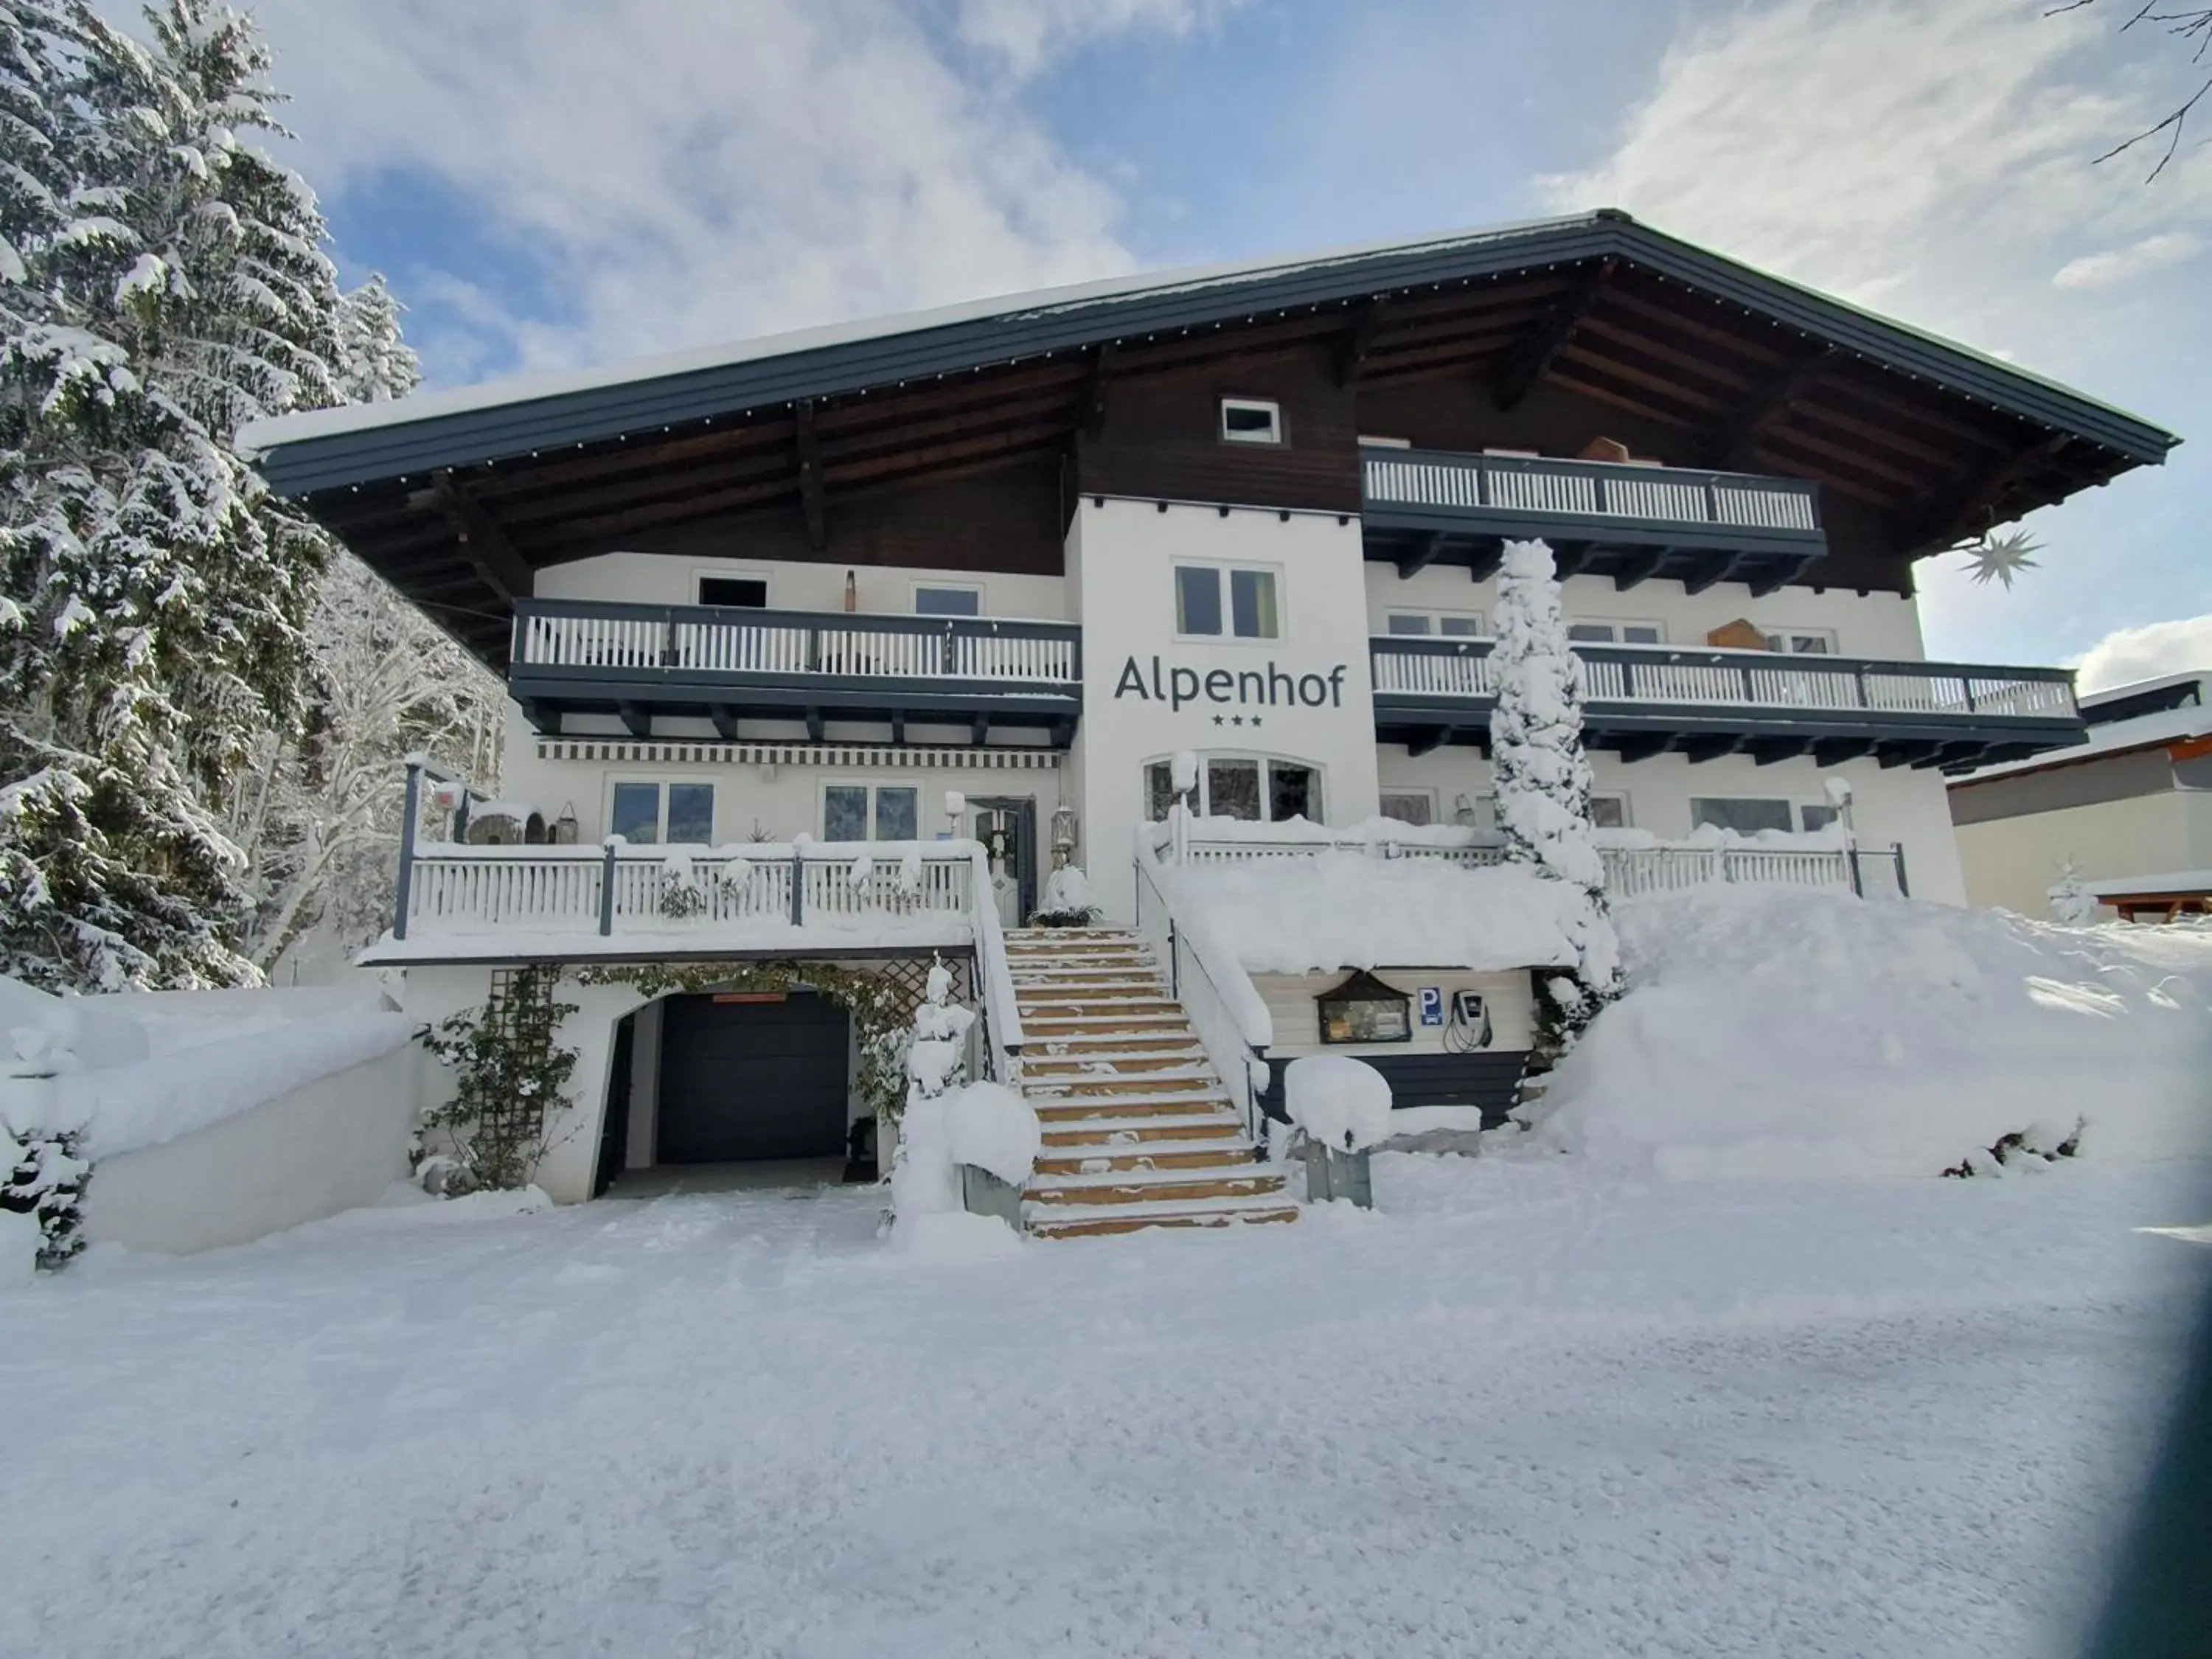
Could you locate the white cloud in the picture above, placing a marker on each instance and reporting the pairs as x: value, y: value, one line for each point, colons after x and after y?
x: 683, y: 171
x: 2119, y: 265
x: 1027, y: 35
x: 1911, y: 156
x: 2130, y: 654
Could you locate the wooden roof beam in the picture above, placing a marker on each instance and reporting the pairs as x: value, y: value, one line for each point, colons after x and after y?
x: 1733, y: 440
x: 1528, y: 361
x: 1974, y: 508
x: 1359, y: 339
x: 483, y: 543
x: 810, y: 478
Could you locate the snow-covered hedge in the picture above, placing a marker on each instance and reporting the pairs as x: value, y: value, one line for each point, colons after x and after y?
x: 1779, y: 1031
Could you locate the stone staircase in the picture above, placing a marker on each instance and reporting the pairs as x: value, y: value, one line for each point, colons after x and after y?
x: 1138, y: 1130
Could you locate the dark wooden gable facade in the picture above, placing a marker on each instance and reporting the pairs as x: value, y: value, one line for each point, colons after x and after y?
x: 965, y: 445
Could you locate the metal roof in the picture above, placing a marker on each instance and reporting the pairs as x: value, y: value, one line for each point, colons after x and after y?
x: 328, y: 449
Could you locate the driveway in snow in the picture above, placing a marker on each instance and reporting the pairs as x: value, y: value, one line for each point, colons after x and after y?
x: 1525, y: 1411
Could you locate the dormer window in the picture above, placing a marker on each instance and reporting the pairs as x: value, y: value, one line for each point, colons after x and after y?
x: 1251, y: 421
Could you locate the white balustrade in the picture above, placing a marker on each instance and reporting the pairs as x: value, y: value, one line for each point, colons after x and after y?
x: 648, y: 639
x: 1630, y: 871
x: 1587, y: 489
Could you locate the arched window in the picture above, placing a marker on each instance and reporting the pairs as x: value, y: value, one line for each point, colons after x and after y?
x: 1261, y: 788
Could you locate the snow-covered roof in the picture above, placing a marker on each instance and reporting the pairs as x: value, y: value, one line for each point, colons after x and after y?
x: 2113, y: 738
x: 323, y: 449
x: 2169, y: 881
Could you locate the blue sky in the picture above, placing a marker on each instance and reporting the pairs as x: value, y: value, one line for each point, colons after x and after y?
x: 549, y: 183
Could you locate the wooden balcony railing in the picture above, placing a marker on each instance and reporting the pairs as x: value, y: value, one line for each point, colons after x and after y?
x: 1539, y: 489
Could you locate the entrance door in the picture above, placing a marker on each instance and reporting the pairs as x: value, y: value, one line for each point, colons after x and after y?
x: 1006, y: 825
x: 744, y: 1079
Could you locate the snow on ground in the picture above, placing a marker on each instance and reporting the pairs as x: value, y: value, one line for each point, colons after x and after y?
x: 138, y: 1068
x: 1775, y: 1030
x: 1529, y: 1408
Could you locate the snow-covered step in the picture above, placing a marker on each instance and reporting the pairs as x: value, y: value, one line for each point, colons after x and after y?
x: 1120, y: 1060
x: 1110, y: 1045
x: 1142, y: 1156
x: 1119, y: 1188
x: 1174, y: 1127
x: 1055, y: 1110
x: 1062, y: 1221
x: 1071, y: 979
x: 1149, y: 1004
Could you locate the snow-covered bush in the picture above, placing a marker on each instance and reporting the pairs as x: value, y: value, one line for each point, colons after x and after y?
x: 946, y: 1124
x: 2024, y: 1149
x: 42, y: 1178
x: 1542, y: 779
x: 1068, y: 901
x: 2071, y: 902
x: 1337, y: 1100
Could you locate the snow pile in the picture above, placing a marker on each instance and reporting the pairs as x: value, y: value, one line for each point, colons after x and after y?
x: 1334, y: 909
x: 991, y: 1127
x: 139, y: 1068
x: 1776, y: 1031
x: 1068, y: 898
x: 1337, y: 1100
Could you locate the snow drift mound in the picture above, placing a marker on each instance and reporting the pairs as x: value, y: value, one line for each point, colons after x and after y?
x: 1770, y: 1030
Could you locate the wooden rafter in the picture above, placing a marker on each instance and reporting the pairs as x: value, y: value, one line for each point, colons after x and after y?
x: 1734, y: 441
x: 1976, y: 506
x: 483, y: 543
x: 810, y: 478
x: 1527, y: 363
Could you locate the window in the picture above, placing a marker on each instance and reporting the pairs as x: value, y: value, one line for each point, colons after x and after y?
x: 847, y: 816
x: 1803, y: 643
x: 1609, y: 811
x: 1251, y: 608
x: 1451, y: 624
x: 1747, y: 817
x: 678, y: 814
x: 750, y: 592
x: 1616, y: 633
x: 1239, y: 787
x: 936, y: 599
x: 1817, y: 816
x: 1409, y: 805
x: 1251, y: 421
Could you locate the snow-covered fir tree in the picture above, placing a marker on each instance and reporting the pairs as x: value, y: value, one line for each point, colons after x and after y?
x: 2071, y: 900
x: 1538, y: 770
x: 164, y: 283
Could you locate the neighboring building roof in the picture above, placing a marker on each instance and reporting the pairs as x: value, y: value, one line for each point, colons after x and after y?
x: 2167, y: 719
x: 2172, y: 882
x: 303, y: 452
x: 2147, y: 697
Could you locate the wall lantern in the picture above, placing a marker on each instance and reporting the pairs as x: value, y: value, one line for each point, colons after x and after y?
x: 564, y: 827
x: 1063, y: 835
x: 1365, y: 1010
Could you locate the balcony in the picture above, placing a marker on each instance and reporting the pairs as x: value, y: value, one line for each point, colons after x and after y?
x: 642, y: 661
x: 1632, y: 523
x: 1650, y: 699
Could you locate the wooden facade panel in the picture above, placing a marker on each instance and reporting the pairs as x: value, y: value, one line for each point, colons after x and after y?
x: 1160, y: 435
x: 1006, y: 518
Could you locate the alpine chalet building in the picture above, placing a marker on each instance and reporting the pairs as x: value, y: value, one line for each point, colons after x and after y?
x: 823, y: 650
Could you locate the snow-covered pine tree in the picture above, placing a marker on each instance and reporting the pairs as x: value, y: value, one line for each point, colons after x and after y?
x: 2071, y: 902
x: 320, y: 817
x: 1542, y: 774
x: 158, y: 595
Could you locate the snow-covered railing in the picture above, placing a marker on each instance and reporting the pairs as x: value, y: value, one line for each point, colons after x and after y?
x: 621, y: 888
x: 1225, y: 1010
x: 1635, y: 864
x: 995, y: 977
x: 1644, y: 676
x: 1543, y: 488
x: 596, y: 638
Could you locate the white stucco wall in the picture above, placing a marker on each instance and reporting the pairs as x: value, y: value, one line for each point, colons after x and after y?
x: 1123, y: 553
x: 2015, y: 861
x: 771, y: 800
x: 1885, y: 627
x: 1896, y: 804
x: 335, y: 1144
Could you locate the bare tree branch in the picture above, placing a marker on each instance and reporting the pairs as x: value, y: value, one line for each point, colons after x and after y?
x: 2190, y: 23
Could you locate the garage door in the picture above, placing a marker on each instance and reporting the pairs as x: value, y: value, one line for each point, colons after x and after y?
x: 751, y: 1080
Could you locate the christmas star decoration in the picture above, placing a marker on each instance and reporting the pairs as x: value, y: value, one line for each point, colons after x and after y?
x: 2001, y: 558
